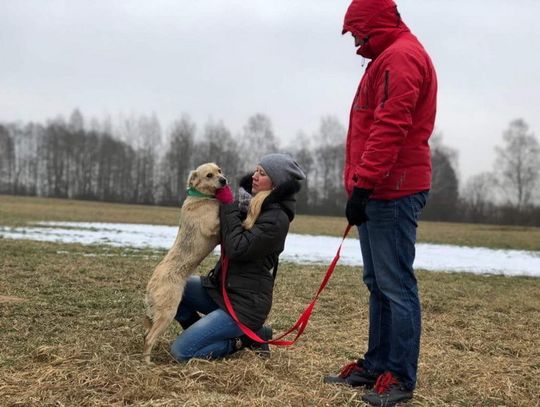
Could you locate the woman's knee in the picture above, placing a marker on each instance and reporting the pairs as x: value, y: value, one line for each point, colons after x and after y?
x: 179, y: 351
x: 186, y: 307
x: 192, y: 288
x: 193, y: 280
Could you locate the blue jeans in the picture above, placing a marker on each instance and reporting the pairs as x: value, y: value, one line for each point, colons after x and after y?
x: 212, y: 336
x: 387, y: 241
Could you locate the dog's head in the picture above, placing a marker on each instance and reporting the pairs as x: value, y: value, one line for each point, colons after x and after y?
x: 207, y: 179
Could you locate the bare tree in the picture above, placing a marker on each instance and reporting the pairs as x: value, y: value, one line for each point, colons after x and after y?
x: 86, y: 164
x: 518, y: 164
x: 7, y: 161
x: 257, y: 139
x: 177, y: 161
x: 26, y: 143
x: 101, y: 126
x: 76, y: 121
x: 331, y: 132
x: 149, y: 133
x: 329, y: 163
x: 479, y: 196
x: 217, y: 145
x: 116, y: 164
x: 436, y: 143
x: 144, y: 135
x: 444, y: 194
x: 302, y: 153
x: 54, y: 149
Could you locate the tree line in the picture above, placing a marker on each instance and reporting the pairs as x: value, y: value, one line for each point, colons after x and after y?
x: 507, y: 195
x: 134, y: 160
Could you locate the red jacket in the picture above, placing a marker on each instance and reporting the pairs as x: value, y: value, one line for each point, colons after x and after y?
x: 393, y: 112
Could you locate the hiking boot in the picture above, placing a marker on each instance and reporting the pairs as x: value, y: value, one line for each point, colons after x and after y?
x: 388, y: 391
x: 354, y: 375
x: 261, y: 349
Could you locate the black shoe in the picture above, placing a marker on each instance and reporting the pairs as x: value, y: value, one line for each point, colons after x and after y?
x: 261, y: 349
x: 353, y: 375
x: 388, y: 391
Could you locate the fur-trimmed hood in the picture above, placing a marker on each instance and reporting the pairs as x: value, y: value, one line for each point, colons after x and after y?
x: 284, y: 195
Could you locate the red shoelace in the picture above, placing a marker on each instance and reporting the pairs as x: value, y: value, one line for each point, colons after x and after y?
x: 384, y: 382
x: 348, y: 369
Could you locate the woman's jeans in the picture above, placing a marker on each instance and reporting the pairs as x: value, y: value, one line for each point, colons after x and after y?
x: 388, y: 242
x: 211, y: 336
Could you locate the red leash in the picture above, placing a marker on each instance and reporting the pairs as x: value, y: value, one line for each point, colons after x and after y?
x: 302, y: 322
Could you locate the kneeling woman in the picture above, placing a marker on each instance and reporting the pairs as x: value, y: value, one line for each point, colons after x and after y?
x: 253, y: 232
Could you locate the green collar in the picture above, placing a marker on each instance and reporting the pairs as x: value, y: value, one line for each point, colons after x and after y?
x: 193, y: 192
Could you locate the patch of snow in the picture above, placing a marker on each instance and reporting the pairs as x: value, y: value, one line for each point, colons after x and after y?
x: 304, y: 249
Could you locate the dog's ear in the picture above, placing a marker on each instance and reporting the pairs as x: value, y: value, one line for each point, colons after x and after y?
x: 192, y: 178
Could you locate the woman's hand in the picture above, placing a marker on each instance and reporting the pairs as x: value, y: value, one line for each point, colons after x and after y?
x: 225, y: 195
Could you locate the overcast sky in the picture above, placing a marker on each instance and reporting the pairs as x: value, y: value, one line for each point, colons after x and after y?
x: 228, y: 59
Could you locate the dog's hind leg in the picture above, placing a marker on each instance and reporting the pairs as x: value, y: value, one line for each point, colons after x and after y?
x: 159, y: 325
x: 147, y: 324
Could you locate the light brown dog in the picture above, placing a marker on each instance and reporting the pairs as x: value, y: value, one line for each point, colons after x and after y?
x: 197, y: 236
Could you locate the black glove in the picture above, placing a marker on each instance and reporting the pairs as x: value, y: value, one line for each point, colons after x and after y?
x: 356, y: 206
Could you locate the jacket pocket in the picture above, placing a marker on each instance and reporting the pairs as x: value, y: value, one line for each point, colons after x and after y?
x: 361, y: 101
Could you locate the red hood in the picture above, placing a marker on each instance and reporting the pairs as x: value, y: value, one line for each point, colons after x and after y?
x: 378, y: 21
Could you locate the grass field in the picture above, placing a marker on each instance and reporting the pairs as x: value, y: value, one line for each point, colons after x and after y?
x: 71, y: 334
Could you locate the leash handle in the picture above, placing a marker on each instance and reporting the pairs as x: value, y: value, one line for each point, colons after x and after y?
x: 302, y: 321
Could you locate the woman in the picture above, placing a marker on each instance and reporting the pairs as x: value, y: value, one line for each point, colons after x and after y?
x: 253, y: 232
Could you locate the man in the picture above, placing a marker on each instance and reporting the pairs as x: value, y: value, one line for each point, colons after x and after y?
x: 387, y: 177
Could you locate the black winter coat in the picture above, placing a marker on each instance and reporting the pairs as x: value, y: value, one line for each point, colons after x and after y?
x: 253, y: 255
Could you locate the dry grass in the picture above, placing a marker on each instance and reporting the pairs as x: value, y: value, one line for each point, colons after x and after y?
x: 15, y: 210
x: 71, y: 334
x: 7, y: 298
x: 77, y: 339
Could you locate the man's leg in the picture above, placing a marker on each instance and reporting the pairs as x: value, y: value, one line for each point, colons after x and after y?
x: 392, y: 236
x: 376, y: 357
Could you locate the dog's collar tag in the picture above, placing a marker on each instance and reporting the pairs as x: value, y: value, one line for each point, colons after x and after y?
x: 193, y: 192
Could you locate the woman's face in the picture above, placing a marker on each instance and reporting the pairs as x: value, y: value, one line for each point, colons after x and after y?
x: 261, y: 181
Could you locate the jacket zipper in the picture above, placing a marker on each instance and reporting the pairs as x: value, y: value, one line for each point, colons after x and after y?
x: 386, y: 80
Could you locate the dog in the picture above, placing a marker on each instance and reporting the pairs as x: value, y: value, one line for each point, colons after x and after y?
x: 197, y: 236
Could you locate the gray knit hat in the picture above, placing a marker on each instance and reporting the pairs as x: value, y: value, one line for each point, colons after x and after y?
x: 281, y: 168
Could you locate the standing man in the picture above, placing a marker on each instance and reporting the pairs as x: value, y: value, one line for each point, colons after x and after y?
x: 387, y: 177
